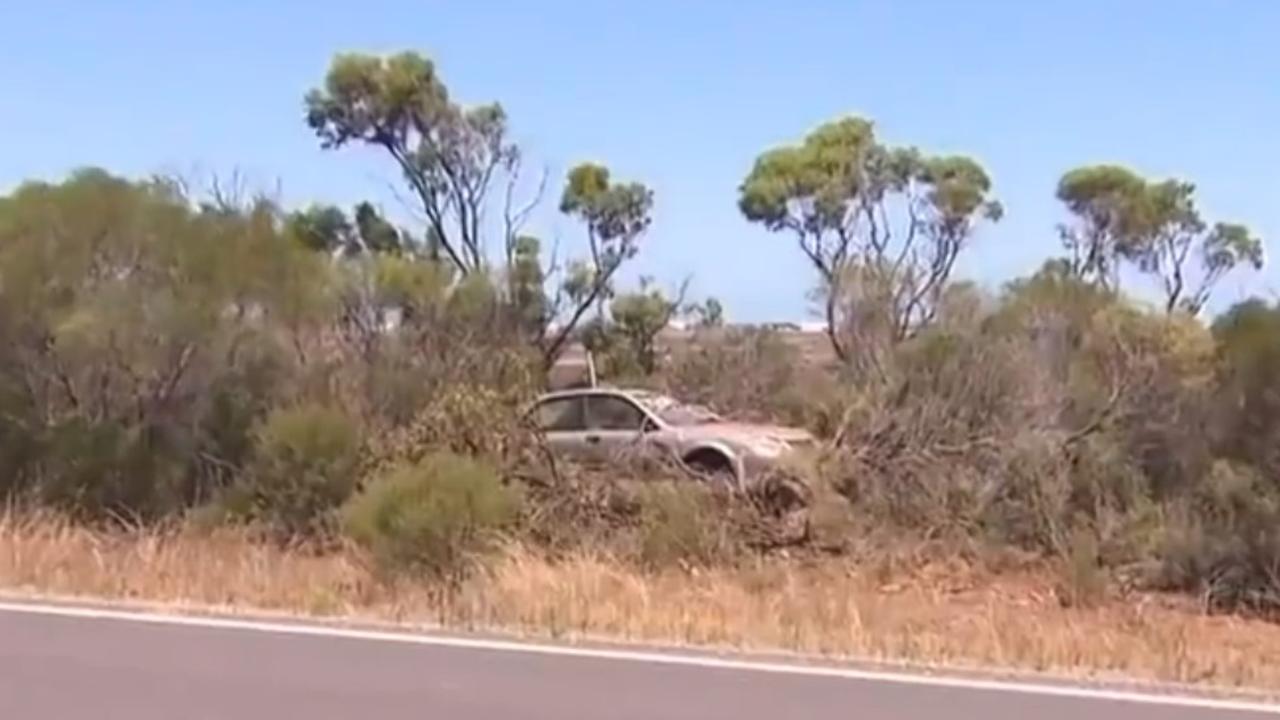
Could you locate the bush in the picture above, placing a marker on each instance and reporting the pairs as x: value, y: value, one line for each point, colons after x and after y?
x: 98, y: 470
x: 467, y: 419
x: 685, y: 523
x: 433, y: 516
x: 977, y: 433
x: 304, y: 467
x: 753, y: 374
x: 1223, y: 541
x: 1247, y: 422
x: 1046, y: 495
x: 236, y: 405
x: 19, y: 445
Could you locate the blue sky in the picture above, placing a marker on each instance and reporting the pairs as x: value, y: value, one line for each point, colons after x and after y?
x: 680, y: 95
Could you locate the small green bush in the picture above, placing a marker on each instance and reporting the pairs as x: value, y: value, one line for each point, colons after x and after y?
x: 96, y: 470
x: 235, y: 405
x: 684, y: 523
x: 472, y: 420
x: 304, y: 467
x: 1223, y: 542
x: 19, y: 444
x: 433, y: 516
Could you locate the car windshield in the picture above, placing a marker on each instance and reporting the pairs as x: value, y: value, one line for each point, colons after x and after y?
x: 674, y: 412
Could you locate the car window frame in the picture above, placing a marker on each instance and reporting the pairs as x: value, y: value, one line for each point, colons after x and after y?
x: 646, y: 419
x: 580, y: 399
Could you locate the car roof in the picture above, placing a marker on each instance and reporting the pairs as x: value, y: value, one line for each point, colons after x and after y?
x: 598, y: 390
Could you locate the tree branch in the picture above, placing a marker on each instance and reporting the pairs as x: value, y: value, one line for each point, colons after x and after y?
x: 514, y: 221
x: 550, y: 352
x: 426, y: 196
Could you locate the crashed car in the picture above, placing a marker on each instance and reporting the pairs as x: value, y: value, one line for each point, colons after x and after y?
x: 596, y: 423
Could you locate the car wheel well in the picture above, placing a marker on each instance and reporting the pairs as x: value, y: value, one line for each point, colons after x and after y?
x: 712, y: 463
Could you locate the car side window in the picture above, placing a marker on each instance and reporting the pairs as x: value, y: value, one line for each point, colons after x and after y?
x: 610, y: 412
x: 561, y: 415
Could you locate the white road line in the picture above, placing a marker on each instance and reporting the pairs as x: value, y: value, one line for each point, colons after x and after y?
x: 639, y: 656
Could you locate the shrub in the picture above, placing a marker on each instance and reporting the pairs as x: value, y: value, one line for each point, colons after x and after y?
x: 752, y: 374
x: 433, y: 516
x: 685, y: 523
x: 467, y: 419
x: 975, y: 433
x: 1247, y: 423
x: 19, y: 445
x: 1223, y: 541
x: 106, y: 469
x: 235, y: 405
x: 304, y: 467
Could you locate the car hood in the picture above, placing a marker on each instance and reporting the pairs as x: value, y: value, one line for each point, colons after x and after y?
x: 748, y: 433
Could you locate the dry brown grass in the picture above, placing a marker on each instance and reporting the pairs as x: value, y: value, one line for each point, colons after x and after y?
x: 939, y: 613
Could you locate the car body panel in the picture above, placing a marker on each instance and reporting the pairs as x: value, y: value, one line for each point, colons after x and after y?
x: 606, y: 429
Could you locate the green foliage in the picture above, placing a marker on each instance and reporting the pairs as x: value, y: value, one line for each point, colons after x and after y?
x: 377, y: 235
x: 683, y: 523
x: 105, y: 469
x: 304, y: 467
x: 616, y: 215
x: 1060, y: 412
x: 236, y: 405
x: 474, y: 300
x: 408, y: 284
x: 957, y: 189
x: 431, y: 517
x: 1247, y: 406
x: 638, y: 318
x: 1105, y: 200
x: 882, y: 225
x: 326, y: 229
x: 527, y: 294
x: 19, y: 445
x: 710, y: 314
x: 1053, y: 290
x: 450, y: 157
x: 1121, y: 217
x: 322, y: 228
x: 1223, y: 541
x: 448, y: 154
x: 130, y: 314
x: 826, y: 172
x: 471, y: 420
x: 580, y: 282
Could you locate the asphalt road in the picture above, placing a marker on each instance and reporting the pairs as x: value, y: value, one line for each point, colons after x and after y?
x: 64, y: 664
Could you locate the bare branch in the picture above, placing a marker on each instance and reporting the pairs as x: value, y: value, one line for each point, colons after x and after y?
x: 429, y: 201
x: 515, y: 219
x: 551, y: 351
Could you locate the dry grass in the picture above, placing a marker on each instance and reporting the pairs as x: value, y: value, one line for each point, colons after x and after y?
x: 940, y: 612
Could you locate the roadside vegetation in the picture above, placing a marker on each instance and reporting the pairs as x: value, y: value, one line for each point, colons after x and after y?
x: 207, y: 397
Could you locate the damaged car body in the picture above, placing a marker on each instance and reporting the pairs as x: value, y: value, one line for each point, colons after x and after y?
x: 595, y: 423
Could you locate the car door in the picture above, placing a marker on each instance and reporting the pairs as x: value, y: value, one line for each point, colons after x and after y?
x: 614, y: 424
x: 563, y: 424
